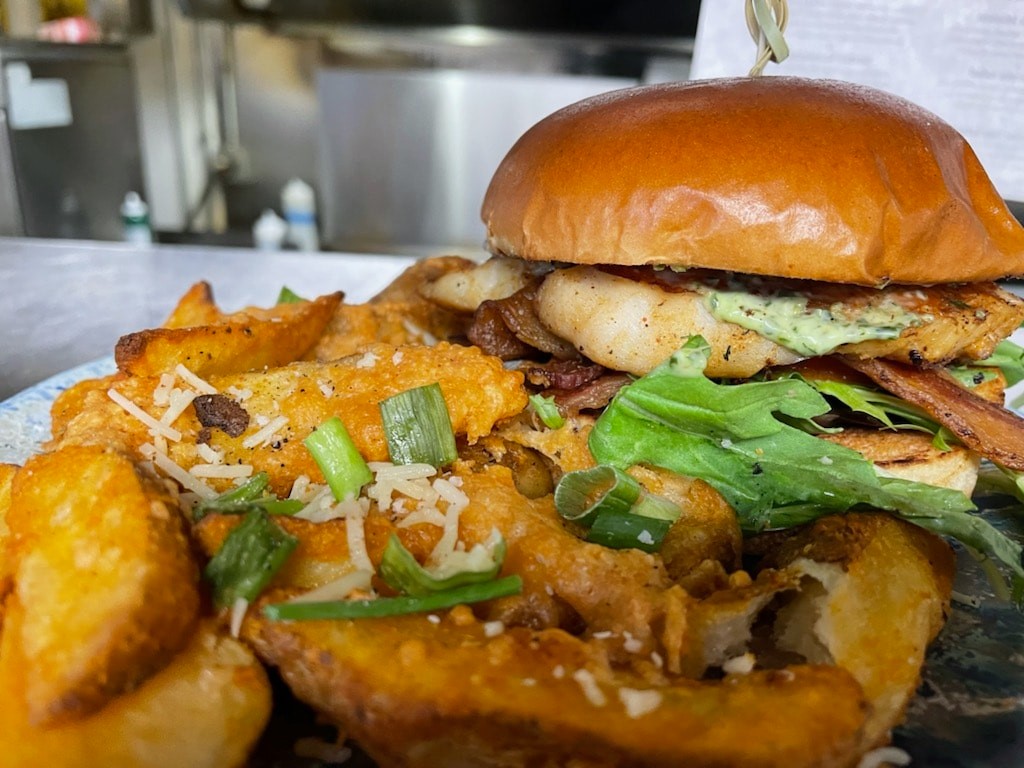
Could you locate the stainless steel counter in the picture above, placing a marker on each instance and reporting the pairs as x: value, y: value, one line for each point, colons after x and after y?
x: 66, y: 302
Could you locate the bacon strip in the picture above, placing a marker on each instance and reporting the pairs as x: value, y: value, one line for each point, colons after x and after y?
x: 986, y: 427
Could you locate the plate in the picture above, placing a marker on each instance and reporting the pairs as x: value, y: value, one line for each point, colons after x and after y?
x: 969, y: 711
x: 25, y: 417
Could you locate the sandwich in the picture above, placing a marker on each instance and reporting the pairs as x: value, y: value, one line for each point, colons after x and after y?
x: 834, y: 246
x: 786, y: 289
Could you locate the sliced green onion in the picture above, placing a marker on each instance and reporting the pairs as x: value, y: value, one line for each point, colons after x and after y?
x: 395, y: 606
x: 625, y: 531
x: 418, y: 428
x: 547, y: 411
x: 248, y: 559
x: 581, y: 495
x: 338, y: 458
x: 657, y: 507
x: 244, y: 499
x: 402, y: 573
x: 250, y: 490
x: 288, y: 296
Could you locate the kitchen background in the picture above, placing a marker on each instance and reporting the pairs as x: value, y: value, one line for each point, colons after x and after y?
x: 396, y: 113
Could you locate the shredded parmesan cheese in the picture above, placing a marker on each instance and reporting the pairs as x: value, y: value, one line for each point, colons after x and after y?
x: 222, y: 471
x: 368, y: 360
x: 639, y: 703
x: 338, y: 589
x: 739, y: 665
x: 883, y: 756
x: 155, y: 427
x: 162, y: 393
x: 355, y: 533
x: 591, y: 690
x: 209, y: 454
x: 178, y: 401
x: 266, y: 435
x: 493, y: 628
x: 201, y: 386
x: 187, y: 480
x: 238, y: 611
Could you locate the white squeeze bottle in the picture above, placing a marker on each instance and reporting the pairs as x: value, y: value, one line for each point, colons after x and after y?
x: 135, y: 220
x: 269, y: 231
x: 298, y: 203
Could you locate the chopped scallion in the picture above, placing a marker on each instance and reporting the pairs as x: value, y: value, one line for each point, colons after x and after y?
x: 623, y: 531
x: 288, y: 296
x: 244, y: 499
x: 403, y: 573
x: 547, y: 411
x: 395, y: 606
x: 418, y: 428
x: 581, y: 495
x: 248, y: 559
x: 250, y: 490
x: 338, y: 458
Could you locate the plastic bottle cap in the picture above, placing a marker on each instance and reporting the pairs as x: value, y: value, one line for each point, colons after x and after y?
x: 134, y: 207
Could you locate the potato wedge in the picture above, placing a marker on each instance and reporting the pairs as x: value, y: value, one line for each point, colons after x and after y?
x: 241, y: 342
x: 356, y: 326
x: 477, y: 389
x: 104, y: 575
x: 195, y: 307
x: 416, y: 693
x: 6, y: 477
x: 875, y: 593
x: 205, y: 709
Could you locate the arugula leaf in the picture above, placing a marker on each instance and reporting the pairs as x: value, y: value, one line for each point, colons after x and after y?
x: 741, y: 439
x: 1009, y: 358
x: 891, y: 411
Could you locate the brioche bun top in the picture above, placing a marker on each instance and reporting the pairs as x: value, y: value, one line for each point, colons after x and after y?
x: 777, y: 176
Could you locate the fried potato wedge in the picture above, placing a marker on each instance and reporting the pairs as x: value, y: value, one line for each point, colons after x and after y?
x: 245, y: 341
x: 875, y: 592
x: 104, y: 575
x: 416, y: 693
x: 6, y: 477
x: 205, y: 709
x: 476, y: 388
x: 195, y: 307
x: 356, y: 326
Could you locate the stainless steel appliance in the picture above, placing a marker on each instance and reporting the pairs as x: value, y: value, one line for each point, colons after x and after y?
x: 69, y: 139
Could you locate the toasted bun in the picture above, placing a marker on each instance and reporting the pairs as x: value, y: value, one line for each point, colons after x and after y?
x: 776, y: 176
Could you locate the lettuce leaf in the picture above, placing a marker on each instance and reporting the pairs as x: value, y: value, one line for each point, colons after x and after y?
x: 746, y: 441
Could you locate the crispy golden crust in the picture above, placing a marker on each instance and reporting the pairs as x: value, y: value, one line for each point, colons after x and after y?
x: 779, y: 176
x: 875, y: 593
x: 414, y: 693
x: 245, y: 341
x: 477, y: 390
x: 205, y: 709
x: 103, y: 575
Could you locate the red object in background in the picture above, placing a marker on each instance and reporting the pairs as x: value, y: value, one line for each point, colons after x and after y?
x: 74, y: 29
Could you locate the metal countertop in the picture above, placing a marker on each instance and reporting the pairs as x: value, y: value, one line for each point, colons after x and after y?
x: 67, y: 302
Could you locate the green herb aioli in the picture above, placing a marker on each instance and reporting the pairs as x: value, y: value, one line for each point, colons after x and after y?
x: 790, y: 322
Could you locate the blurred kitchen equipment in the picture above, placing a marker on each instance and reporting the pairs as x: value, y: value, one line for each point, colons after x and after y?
x: 135, y: 220
x: 269, y: 231
x: 298, y: 203
x: 69, y: 142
